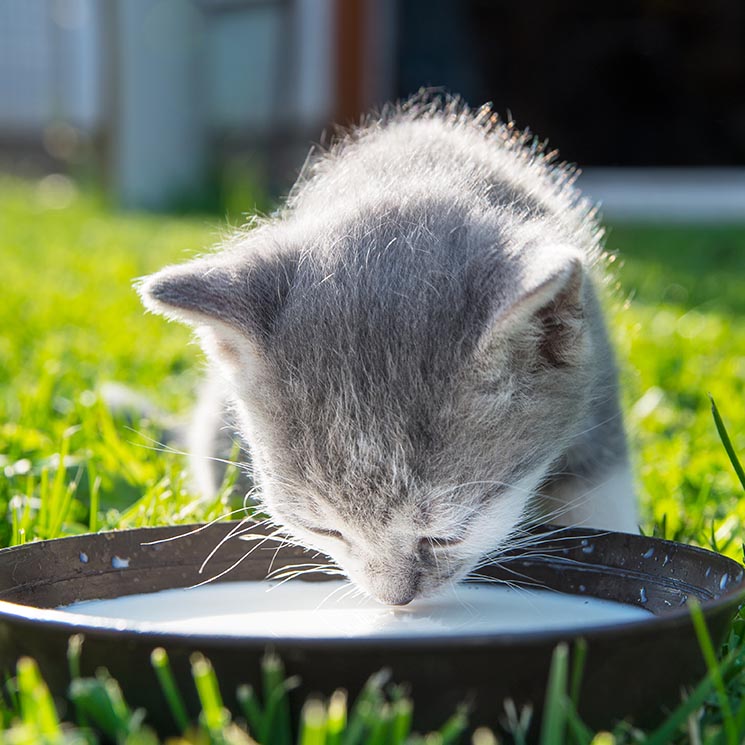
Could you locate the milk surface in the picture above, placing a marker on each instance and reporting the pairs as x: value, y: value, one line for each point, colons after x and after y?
x: 329, y: 609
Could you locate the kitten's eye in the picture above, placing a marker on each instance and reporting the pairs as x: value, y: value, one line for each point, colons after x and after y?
x: 436, y: 542
x: 326, y: 532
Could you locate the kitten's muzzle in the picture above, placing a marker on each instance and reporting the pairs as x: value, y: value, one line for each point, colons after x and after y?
x: 404, y: 599
x: 401, y: 591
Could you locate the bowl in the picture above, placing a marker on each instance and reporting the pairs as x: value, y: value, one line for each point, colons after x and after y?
x: 632, y: 670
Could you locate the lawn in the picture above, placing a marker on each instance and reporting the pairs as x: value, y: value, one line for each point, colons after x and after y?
x: 71, y: 321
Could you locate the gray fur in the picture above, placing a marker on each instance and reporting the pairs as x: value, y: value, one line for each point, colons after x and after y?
x: 414, y: 350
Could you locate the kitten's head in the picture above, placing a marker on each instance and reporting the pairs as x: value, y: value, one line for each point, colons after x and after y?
x: 403, y: 391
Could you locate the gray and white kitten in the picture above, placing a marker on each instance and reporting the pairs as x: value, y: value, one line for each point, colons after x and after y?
x: 414, y: 351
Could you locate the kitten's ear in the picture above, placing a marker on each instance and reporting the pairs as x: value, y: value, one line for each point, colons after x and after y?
x: 549, y: 312
x: 244, y: 297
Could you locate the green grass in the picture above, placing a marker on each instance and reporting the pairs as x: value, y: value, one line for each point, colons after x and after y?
x: 682, y: 337
x: 71, y: 321
x: 381, y: 715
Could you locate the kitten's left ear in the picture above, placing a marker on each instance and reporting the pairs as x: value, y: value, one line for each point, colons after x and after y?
x: 549, y: 310
x: 229, y: 297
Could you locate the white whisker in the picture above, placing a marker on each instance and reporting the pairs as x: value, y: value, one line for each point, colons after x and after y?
x: 196, y: 530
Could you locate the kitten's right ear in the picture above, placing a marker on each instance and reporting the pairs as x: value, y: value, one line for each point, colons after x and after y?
x: 244, y: 297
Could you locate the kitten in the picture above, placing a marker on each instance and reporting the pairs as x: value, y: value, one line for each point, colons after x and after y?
x: 414, y: 351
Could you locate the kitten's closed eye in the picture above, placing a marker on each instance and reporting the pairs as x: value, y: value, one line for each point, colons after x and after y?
x: 325, y: 532
x: 440, y: 542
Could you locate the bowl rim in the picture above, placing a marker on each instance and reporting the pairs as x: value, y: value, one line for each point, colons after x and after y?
x: 53, y: 619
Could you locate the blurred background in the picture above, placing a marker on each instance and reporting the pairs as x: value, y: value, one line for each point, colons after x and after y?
x: 211, y: 104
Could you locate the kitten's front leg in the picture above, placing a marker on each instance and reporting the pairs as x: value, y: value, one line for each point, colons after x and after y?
x: 212, y: 436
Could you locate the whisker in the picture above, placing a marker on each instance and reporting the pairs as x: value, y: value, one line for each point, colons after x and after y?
x: 239, y: 529
x: 308, y: 565
x: 235, y: 564
x: 285, y: 542
x: 224, y: 572
x: 291, y: 576
x: 342, y: 586
x: 521, y: 586
x: 352, y: 591
x: 196, y: 530
x: 162, y: 447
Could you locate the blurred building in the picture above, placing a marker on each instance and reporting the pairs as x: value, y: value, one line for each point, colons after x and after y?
x: 162, y: 98
x: 161, y: 92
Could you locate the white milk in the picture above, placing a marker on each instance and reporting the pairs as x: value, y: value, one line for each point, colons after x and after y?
x: 333, y: 609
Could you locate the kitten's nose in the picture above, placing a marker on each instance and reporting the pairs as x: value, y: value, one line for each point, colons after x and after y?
x: 401, y: 599
x: 399, y: 592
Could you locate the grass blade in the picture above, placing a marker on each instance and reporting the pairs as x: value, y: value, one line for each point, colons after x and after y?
x: 94, y: 479
x: 454, y: 727
x: 74, y: 651
x: 313, y: 723
x: 101, y: 700
x: 604, y: 738
x: 707, y: 649
x: 277, y: 727
x: 249, y: 703
x: 214, y: 715
x: 554, y: 715
x: 37, y: 706
x: 380, y: 726
x: 161, y: 665
x: 665, y: 733
x: 369, y: 700
x: 484, y: 736
x: 579, y: 731
x: 578, y: 668
x: 337, y: 718
x: 402, y: 715
x: 724, y: 437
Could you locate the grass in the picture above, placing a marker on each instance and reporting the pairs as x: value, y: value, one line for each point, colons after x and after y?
x: 379, y: 716
x: 683, y: 337
x: 70, y: 321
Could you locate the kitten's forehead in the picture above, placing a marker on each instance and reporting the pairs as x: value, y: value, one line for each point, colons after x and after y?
x: 388, y: 321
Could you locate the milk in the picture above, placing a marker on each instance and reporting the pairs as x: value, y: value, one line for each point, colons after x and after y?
x: 334, y: 609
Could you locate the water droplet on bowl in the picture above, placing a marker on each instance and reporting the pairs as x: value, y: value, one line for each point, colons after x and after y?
x: 118, y: 563
x: 723, y: 581
x: 643, y: 595
x: 666, y: 560
x: 588, y: 549
x: 83, y: 557
x: 707, y: 572
x: 582, y: 588
x: 648, y: 554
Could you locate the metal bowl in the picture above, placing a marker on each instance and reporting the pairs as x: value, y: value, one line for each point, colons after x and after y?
x: 633, y: 670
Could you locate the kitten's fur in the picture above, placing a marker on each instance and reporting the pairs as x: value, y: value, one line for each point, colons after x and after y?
x: 414, y: 351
